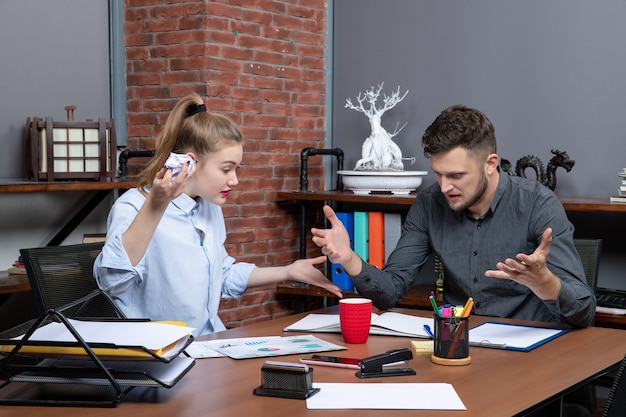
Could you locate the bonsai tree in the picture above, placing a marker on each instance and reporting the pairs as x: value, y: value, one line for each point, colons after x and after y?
x: 379, y: 152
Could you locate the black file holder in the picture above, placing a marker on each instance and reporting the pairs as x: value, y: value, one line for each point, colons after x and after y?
x: 121, y: 374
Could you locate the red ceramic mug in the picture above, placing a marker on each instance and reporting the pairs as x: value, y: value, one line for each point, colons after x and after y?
x: 355, y: 317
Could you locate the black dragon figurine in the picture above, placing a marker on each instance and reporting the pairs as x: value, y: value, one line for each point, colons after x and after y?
x: 545, y: 176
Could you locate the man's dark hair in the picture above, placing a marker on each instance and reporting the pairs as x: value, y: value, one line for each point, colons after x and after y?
x: 459, y: 125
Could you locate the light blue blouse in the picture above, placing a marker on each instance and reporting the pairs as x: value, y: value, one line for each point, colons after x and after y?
x: 180, y: 277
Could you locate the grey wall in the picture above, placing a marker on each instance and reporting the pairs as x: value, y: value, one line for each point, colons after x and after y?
x: 549, y: 74
x: 52, y: 54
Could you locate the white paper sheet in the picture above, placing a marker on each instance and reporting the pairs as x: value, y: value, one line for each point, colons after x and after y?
x: 152, y: 335
x: 385, y: 396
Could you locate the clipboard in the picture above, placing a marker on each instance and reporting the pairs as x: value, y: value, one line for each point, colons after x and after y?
x: 512, y: 336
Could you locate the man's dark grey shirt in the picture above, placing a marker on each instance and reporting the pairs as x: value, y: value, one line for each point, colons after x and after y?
x: 520, y: 212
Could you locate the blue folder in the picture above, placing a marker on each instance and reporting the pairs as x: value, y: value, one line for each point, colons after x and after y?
x: 339, y: 277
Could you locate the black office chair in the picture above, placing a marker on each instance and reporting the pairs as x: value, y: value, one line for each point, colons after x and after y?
x: 60, y: 275
x: 616, y: 402
x: 589, y: 251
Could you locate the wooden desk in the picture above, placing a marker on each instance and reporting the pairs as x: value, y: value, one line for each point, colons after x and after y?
x: 498, y: 383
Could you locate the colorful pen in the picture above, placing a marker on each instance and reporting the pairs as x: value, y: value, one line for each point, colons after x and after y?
x: 434, y: 304
x: 446, y: 311
x: 430, y: 333
x: 467, y: 308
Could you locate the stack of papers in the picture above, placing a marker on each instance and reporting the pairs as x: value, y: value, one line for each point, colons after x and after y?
x: 118, y: 338
x: 128, y: 353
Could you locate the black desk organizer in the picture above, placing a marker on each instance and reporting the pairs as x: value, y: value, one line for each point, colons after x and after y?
x: 103, y: 381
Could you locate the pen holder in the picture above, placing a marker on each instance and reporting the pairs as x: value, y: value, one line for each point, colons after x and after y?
x: 451, y: 344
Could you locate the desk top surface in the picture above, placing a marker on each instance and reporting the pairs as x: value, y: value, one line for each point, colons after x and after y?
x: 497, y: 383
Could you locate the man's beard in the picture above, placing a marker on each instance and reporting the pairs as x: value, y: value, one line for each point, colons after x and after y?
x: 480, y: 190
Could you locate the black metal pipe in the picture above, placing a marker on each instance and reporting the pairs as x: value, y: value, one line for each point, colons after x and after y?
x: 304, y: 157
x: 126, y: 154
x: 304, y: 185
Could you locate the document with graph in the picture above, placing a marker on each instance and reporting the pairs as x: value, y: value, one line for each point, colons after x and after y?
x: 274, y: 346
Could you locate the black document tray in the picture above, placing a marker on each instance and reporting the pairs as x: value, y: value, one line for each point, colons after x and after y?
x: 97, y: 381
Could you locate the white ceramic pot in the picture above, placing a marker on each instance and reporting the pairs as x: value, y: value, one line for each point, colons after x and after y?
x: 396, y: 182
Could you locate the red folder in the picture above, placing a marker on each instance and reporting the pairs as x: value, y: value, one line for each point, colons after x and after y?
x: 376, y: 251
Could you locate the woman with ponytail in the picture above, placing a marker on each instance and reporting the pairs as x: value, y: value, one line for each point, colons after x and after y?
x: 164, y: 256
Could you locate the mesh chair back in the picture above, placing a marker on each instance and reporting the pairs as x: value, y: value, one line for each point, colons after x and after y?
x: 589, y: 251
x: 59, y: 275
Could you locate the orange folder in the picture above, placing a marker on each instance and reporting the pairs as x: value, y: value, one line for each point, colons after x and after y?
x: 376, y: 248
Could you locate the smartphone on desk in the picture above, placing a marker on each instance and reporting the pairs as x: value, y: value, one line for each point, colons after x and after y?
x: 335, y: 361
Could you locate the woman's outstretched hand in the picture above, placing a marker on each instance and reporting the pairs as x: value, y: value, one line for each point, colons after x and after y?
x: 304, y: 270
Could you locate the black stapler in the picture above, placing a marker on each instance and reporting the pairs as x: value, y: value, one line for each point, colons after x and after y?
x: 372, y: 367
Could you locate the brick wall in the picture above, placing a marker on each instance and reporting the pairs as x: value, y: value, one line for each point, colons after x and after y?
x: 262, y: 64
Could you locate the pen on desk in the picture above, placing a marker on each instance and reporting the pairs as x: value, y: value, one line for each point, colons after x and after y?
x: 467, y: 310
x: 457, y: 335
x: 458, y: 331
x: 430, y: 333
x: 456, y: 338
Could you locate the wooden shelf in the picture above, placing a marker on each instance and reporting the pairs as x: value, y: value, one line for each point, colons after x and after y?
x: 347, y: 197
x: 23, y: 186
x: 416, y: 297
x: 570, y: 204
x: 101, y: 188
x: 592, y: 204
x: 10, y: 283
